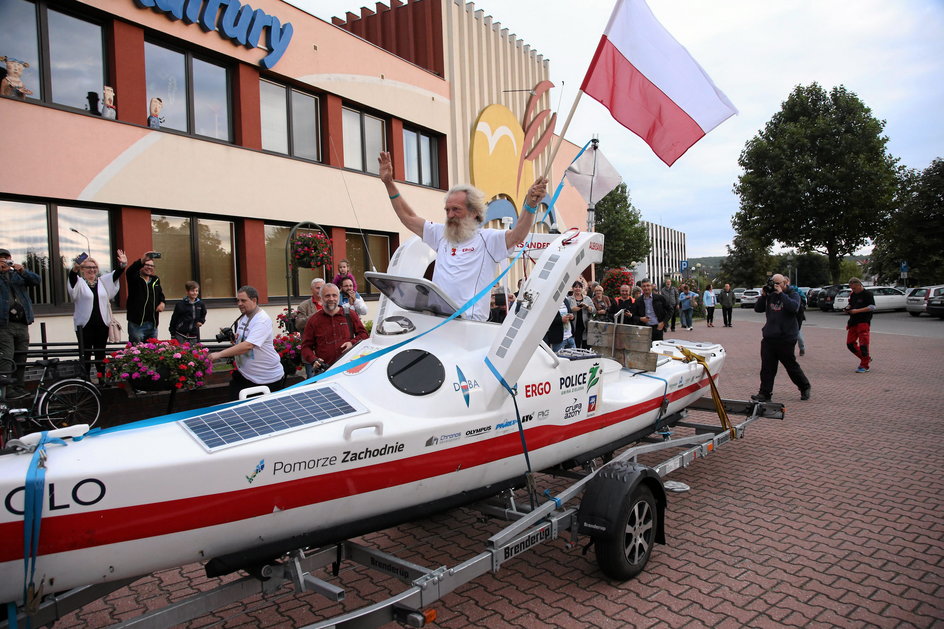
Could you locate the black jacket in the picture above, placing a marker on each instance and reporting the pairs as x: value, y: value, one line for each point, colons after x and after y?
x: 143, y: 296
x: 781, y: 310
x: 659, y: 305
x: 186, y: 316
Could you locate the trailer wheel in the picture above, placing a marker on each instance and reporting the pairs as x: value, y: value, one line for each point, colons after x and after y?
x: 624, y: 553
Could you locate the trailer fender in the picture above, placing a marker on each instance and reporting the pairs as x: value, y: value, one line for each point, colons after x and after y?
x: 600, y: 505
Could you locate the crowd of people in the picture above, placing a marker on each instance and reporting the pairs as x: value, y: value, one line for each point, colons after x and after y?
x: 468, y: 256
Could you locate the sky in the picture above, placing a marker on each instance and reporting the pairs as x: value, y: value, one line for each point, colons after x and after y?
x: 889, y: 53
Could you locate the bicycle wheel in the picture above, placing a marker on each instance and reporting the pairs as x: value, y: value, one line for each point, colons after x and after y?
x: 70, y: 402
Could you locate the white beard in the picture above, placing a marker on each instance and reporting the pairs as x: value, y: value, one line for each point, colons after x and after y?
x: 461, y: 230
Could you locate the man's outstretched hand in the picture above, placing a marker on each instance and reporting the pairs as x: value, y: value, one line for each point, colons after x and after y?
x: 537, y: 191
x: 386, y: 167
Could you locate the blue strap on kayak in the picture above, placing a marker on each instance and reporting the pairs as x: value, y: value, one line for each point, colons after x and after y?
x: 663, y: 406
x: 35, y: 488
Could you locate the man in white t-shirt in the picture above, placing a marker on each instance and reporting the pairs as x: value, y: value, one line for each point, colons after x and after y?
x: 467, y: 256
x: 257, y: 362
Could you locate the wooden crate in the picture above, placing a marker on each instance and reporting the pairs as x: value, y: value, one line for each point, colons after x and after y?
x: 627, y: 344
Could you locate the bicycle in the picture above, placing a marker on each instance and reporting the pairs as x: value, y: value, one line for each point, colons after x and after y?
x: 59, y: 404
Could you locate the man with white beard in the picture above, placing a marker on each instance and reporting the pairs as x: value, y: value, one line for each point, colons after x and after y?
x: 467, y: 256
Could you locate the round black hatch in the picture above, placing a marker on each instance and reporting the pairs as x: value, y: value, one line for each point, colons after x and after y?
x: 416, y: 372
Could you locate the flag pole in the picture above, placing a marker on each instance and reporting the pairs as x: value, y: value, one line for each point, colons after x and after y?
x: 560, y: 137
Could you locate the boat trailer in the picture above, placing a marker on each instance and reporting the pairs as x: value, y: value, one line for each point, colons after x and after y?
x: 615, y: 490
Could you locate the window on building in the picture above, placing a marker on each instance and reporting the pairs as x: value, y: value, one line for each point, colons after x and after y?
x: 367, y: 252
x: 195, y: 249
x: 290, y: 122
x: 66, y: 62
x: 194, y: 92
x: 37, y: 234
x: 363, y: 140
x: 275, y: 238
x: 421, y: 158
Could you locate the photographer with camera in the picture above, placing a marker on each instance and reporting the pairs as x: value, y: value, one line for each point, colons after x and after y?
x: 257, y: 362
x: 16, y: 315
x: 145, y: 298
x: 330, y: 332
x: 780, y: 303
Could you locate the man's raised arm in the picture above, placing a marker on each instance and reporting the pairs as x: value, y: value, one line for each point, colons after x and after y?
x: 536, y: 192
x: 404, y: 212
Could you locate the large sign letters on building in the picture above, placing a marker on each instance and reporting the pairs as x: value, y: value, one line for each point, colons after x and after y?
x: 238, y: 22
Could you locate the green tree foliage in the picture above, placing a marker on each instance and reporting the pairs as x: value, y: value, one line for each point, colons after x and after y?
x: 627, y: 241
x: 915, y: 231
x: 817, y: 177
x: 747, y: 263
x: 805, y: 269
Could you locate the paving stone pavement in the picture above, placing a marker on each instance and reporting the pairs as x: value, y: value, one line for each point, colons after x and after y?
x: 830, y: 518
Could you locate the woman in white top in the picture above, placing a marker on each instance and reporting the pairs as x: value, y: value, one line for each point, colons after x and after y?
x: 90, y: 293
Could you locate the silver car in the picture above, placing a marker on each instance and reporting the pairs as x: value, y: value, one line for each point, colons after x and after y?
x: 886, y: 298
x: 749, y: 297
x: 917, y: 300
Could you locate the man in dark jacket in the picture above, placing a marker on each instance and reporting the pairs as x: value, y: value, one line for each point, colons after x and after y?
x: 145, y: 299
x: 653, y: 310
x: 16, y: 315
x: 780, y: 337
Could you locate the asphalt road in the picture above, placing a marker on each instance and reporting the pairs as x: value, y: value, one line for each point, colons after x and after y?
x: 885, y: 322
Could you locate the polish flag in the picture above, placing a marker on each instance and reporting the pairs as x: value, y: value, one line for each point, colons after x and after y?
x: 651, y: 85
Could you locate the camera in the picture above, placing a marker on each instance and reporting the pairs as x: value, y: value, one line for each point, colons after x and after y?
x: 226, y: 334
x: 769, y: 287
x: 154, y: 255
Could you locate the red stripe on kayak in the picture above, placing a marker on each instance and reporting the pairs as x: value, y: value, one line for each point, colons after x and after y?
x: 62, y: 533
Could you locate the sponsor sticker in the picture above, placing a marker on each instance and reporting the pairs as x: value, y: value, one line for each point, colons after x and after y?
x: 465, y: 385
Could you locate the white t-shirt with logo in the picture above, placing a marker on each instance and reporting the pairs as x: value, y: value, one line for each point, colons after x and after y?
x: 261, y: 364
x: 464, y: 269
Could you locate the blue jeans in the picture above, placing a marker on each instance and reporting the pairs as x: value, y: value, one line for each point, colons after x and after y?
x: 686, y: 317
x: 568, y: 343
x: 140, y: 333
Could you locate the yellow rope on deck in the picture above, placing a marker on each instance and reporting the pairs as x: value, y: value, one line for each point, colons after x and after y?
x: 689, y: 356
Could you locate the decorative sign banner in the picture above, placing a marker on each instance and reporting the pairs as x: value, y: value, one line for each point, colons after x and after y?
x: 239, y: 22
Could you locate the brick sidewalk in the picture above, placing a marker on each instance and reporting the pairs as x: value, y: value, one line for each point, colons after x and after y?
x: 833, y: 517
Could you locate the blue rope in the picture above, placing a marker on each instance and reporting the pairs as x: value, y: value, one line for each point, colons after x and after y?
x: 665, y: 401
x: 35, y: 488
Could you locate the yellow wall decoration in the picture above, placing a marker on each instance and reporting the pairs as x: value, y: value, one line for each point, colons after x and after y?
x: 496, y: 154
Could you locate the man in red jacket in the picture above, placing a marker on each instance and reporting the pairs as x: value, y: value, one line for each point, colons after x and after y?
x: 331, y: 331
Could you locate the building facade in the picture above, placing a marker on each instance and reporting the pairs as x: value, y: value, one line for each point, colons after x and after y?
x: 225, y: 125
x: 668, y: 251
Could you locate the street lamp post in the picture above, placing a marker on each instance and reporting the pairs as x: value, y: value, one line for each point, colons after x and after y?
x: 88, y: 244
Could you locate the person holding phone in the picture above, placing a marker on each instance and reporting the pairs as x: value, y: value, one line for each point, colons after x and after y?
x: 582, y: 308
x: 16, y: 315
x: 145, y: 298
x: 90, y: 293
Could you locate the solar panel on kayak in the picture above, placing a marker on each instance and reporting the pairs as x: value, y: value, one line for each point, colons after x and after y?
x: 270, y: 416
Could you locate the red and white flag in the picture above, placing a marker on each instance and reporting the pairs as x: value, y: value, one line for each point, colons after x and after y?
x: 651, y: 85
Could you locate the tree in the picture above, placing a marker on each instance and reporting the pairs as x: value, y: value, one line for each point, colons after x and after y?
x: 747, y: 263
x: 627, y: 240
x: 817, y: 177
x: 915, y: 231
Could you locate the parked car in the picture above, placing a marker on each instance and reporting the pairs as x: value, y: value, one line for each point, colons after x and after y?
x: 737, y: 294
x: 886, y: 298
x: 812, y: 297
x: 936, y: 303
x: 749, y: 297
x: 917, y: 299
x: 827, y: 296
